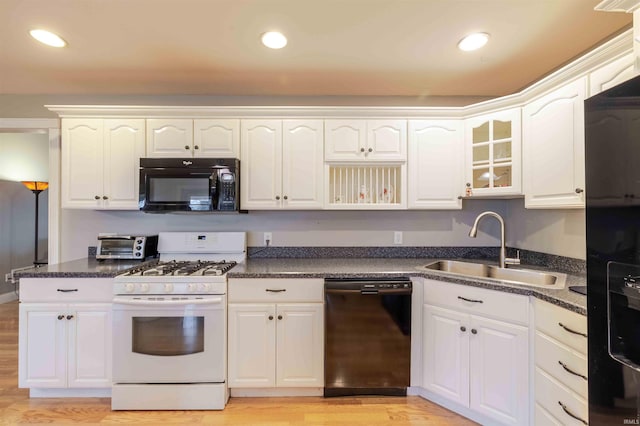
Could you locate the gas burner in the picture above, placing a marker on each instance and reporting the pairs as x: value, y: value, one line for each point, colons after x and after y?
x: 182, y: 268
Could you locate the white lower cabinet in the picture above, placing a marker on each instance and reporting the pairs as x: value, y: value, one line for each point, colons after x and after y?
x: 276, y: 333
x: 64, y: 336
x: 476, y: 351
x: 65, y: 345
x: 561, y: 370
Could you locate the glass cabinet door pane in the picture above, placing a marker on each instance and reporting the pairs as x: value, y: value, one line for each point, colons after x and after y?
x: 501, y: 130
x: 481, y: 154
x: 481, y: 178
x: 502, y: 152
x: 502, y: 176
x: 481, y: 133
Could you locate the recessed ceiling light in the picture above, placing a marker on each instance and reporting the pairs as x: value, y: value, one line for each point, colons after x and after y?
x: 473, y: 41
x: 48, y: 38
x: 274, y: 40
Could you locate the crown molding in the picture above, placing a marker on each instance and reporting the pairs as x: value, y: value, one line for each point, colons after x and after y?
x: 617, y: 6
x: 614, y: 49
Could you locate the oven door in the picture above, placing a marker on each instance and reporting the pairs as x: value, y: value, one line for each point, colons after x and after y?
x: 169, y: 341
x: 175, y: 189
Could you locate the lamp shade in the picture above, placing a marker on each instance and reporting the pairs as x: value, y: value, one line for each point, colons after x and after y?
x: 35, y: 185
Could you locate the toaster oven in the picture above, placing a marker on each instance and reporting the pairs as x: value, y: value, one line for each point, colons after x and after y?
x: 113, y: 246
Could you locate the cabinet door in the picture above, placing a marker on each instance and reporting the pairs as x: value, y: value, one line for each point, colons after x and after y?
x: 499, y: 366
x: 42, y: 347
x: 82, y: 163
x: 261, y: 164
x: 169, y: 137
x: 252, y: 345
x: 435, y: 164
x: 89, y: 359
x: 302, y: 164
x: 300, y: 343
x: 386, y: 140
x: 612, y: 74
x: 493, y: 160
x: 123, y: 147
x: 216, y: 138
x: 345, y: 140
x: 554, y: 149
x: 446, y: 353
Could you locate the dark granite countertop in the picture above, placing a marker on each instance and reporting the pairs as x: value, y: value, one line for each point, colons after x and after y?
x: 330, y: 268
x: 81, y: 268
x: 366, y: 267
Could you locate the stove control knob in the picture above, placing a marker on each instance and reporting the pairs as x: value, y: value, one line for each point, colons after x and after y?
x: 144, y: 287
x: 205, y: 287
x: 129, y: 287
x: 168, y: 288
x: 193, y: 287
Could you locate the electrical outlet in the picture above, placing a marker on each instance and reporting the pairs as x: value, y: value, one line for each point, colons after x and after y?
x: 268, y: 239
x: 397, y: 237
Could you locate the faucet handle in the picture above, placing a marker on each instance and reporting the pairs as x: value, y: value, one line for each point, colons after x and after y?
x: 513, y: 260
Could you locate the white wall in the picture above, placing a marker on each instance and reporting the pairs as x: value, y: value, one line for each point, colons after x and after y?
x: 559, y: 232
x: 79, y: 228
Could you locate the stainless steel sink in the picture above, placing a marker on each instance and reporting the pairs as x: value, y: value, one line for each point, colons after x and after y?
x: 550, y: 280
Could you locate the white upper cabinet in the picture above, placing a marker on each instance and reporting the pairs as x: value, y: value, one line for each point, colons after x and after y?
x: 612, y: 74
x: 281, y: 170
x: 365, y: 140
x: 493, y: 158
x: 553, y: 148
x: 435, y: 164
x: 100, y: 160
x: 216, y: 138
x: 213, y: 138
x: 169, y: 137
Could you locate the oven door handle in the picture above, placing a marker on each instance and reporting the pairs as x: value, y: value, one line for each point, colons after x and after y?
x: 139, y: 302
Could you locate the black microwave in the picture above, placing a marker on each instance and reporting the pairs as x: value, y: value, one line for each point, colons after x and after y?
x: 189, y: 185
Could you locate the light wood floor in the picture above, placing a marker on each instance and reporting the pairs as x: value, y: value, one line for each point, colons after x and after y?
x: 16, y: 407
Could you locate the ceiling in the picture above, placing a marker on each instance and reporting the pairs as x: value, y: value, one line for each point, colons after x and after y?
x: 336, y: 47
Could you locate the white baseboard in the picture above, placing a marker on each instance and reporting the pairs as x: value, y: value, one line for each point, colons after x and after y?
x: 274, y: 392
x: 8, y: 297
x: 69, y: 392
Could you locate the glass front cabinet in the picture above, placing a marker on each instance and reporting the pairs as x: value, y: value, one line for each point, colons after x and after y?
x: 493, y: 160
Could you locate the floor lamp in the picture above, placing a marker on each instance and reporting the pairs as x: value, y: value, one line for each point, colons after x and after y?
x: 36, y: 188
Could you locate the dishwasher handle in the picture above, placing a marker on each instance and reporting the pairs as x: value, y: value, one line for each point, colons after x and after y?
x: 368, y: 291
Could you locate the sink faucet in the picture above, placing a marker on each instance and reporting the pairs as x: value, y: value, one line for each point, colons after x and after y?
x: 503, y: 260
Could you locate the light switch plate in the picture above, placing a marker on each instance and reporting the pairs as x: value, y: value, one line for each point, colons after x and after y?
x: 397, y: 237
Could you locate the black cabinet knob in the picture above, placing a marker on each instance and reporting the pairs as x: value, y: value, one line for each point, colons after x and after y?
x: 579, y: 190
x: 60, y: 317
x: 370, y: 149
x: 270, y: 317
x: 279, y: 317
x: 104, y: 197
x: 474, y: 331
x: 277, y: 197
x: 97, y: 197
x: 463, y: 329
x: 69, y: 317
x: 285, y: 197
x: 195, y: 147
x: 361, y: 149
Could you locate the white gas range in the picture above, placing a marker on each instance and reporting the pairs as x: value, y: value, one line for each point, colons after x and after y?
x: 169, y: 324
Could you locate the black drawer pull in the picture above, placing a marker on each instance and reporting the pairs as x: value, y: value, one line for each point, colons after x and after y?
x: 67, y: 290
x: 276, y: 290
x: 469, y: 300
x: 572, y: 331
x: 568, y: 370
x: 69, y: 317
x: 60, y: 317
x: 569, y: 413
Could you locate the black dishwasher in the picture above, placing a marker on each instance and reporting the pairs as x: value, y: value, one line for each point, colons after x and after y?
x: 367, y: 336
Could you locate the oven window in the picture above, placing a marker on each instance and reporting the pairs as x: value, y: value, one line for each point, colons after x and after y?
x: 168, y: 336
x: 116, y: 246
x: 193, y: 190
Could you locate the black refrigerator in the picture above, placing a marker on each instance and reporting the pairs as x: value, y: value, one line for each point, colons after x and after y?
x: 612, y: 155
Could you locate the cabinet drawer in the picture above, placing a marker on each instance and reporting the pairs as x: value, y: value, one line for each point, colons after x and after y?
x: 549, y: 394
x: 489, y: 303
x: 275, y: 290
x: 549, y: 355
x: 563, y: 325
x: 62, y: 290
